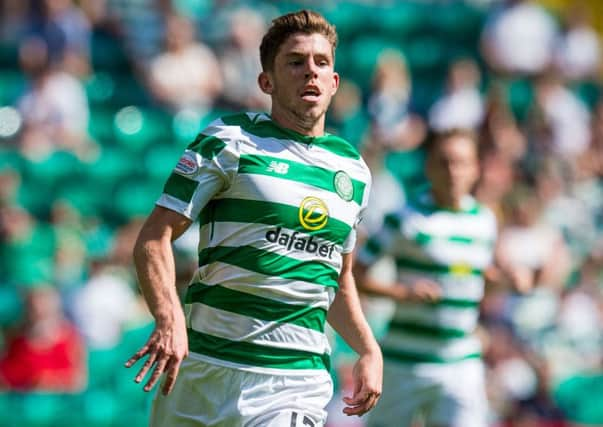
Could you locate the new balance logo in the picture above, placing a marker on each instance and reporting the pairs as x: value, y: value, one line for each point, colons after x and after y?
x: 278, y: 167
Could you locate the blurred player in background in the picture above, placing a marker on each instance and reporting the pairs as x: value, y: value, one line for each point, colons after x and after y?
x: 442, y: 245
x: 278, y: 201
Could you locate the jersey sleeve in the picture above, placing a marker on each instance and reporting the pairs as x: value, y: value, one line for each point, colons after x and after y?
x: 350, y: 242
x: 206, y: 168
x: 381, y: 242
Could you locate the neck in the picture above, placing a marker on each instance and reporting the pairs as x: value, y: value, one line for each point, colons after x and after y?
x: 305, y: 126
x: 447, y: 200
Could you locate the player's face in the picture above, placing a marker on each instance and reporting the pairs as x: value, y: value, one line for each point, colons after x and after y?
x: 453, y: 167
x: 303, y: 79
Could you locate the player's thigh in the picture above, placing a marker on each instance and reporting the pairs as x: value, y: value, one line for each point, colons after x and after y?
x: 404, y: 396
x: 286, y: 401
x: 463, y: 401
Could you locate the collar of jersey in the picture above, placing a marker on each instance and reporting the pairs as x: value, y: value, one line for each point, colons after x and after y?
x: 295, y: 136
x: 468, y: 204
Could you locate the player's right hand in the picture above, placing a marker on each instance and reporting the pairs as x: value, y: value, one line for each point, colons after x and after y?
x: 166, y: 348
x: 424, y: 290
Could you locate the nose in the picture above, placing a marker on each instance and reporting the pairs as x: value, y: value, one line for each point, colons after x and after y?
x: 311, y: 70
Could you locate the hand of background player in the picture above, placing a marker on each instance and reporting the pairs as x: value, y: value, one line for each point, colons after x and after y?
x: 368, y: 379
x: 423, y: 290
x: 166, y: 347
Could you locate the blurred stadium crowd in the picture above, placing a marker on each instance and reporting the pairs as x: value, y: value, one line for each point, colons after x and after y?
x: 98, y: 98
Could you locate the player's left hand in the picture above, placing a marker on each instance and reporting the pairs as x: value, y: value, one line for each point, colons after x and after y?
x: 368, y: 379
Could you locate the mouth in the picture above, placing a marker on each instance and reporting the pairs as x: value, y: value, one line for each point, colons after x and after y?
x: 310, y: 93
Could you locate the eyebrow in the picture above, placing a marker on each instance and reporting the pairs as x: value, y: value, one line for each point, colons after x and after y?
x: 297, y: 54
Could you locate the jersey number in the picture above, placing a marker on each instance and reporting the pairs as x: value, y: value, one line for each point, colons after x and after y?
x: 305, y: 421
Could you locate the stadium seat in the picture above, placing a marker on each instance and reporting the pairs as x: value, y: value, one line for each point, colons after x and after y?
x: 10, y: 159
x: 135, y: 197
x: 46, y: 172
x: 102, y: 366
x: 11, y: 309
x: 401, y: 20
x: 112, y: 164
x: 88, y: 196
x: 457, y: 21
x: 364, y: 52
x: 99, y: 407
x: 12, y: 85
x: 9, y: 54
x: 426, y: 52
x: 137, y: 128
x: 100, y: 126
x: 519, y: 96
x: 128, y: 91
x: 41, y: 409
x: 576, y: 398
x: 588, y: 91
x: 108, y: 53
x: 100, y: 88
x: 160, y: 160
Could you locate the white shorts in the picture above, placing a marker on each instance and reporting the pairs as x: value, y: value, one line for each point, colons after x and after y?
x: 451, y: 395
x: 210, y: 395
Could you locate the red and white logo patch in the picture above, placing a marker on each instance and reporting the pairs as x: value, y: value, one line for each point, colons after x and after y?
x: 187, y: 165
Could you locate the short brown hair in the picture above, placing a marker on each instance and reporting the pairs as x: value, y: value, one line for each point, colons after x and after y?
x: 435, y: 138
x: 303, y: 21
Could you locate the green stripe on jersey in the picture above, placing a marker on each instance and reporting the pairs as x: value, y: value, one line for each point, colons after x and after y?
x: 298, y: 172
x: 250, y: 354
x: 269, y: 213
x: 458, y: 269
x: 425, y: 239
x: 459, y: 303
x: 373, y: 246
x: 270, y: 264
x: 206, y: 145
x: 180, y: 187
x: 412, y: 328
x: 428, y: 207
x: 269, y: 129
x: 257, y: 307
x: 410, y: 357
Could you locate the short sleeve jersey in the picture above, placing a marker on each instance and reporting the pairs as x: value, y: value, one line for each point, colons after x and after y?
x: 451, y: 248
x: 282, y: 210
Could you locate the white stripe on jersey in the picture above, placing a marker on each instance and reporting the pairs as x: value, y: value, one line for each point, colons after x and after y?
x: 236, y: 327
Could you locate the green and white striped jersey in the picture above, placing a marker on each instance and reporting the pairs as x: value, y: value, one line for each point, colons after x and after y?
x: 451, y: 248
x: 282, y: 211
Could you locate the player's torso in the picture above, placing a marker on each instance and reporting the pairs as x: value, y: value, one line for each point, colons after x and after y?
x: 288, y: 200
x: 271, y: 251
x: 451, y: 249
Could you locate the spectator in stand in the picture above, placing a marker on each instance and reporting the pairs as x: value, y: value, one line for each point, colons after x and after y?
x: 46, y: 352
x: 241, y: 63
x: 54, y: 108
x: 529, y: 245
x: 519, y: 38
x: 565, y: 117
x: 461, y: 105
x: 578, y: 53
x: 388, y: 103
x: 186, y: 74
x: 500, y: 132
x: 66, y: 30
x: 106, y: 304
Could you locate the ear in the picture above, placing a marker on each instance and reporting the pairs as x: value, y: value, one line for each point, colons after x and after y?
x: 265, y: 83
x: 335, y: 83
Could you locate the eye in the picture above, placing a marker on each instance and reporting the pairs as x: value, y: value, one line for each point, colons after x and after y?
x: 295, y: 62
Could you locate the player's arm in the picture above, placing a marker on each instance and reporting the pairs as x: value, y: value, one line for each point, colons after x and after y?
x: 346, y: 317
x: 154, y: 260
x: 420, y: 290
